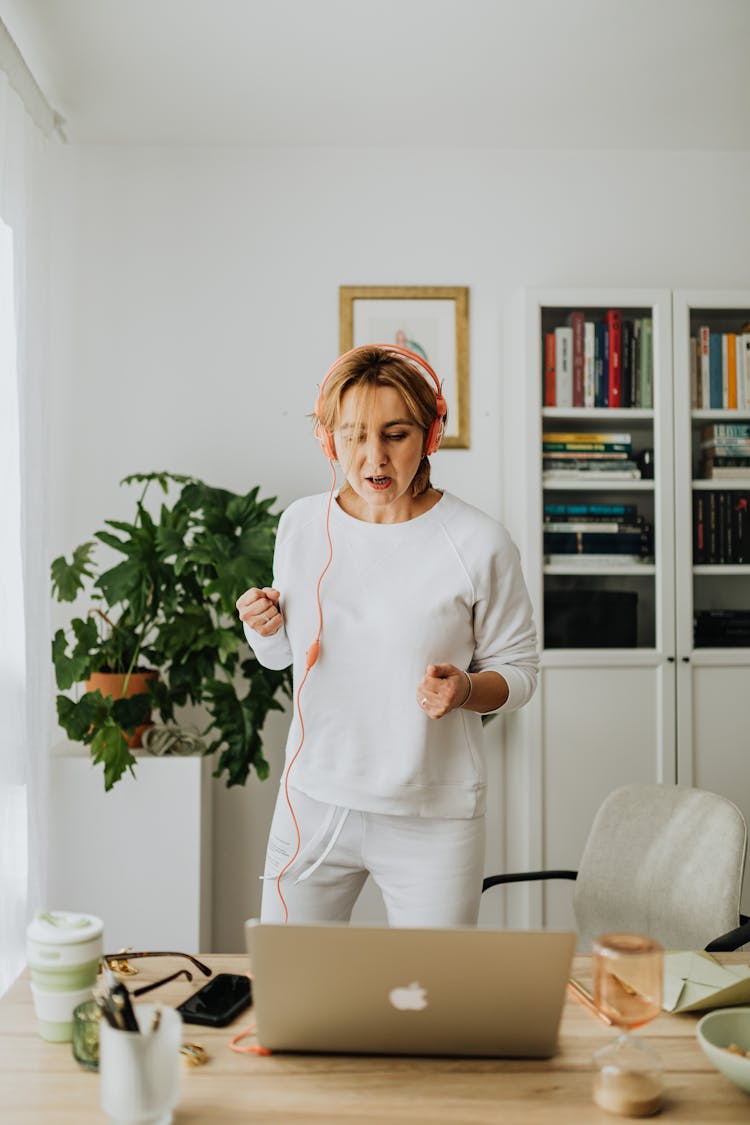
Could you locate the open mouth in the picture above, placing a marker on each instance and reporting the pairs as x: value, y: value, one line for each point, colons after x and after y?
x: 379, y: 483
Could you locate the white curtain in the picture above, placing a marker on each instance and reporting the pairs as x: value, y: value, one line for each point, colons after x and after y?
x: 27, y: 161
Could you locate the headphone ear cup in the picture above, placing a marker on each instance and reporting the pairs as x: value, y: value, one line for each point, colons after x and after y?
x: 325, y: 437
x: 434, y: 434
x: 436, y: 430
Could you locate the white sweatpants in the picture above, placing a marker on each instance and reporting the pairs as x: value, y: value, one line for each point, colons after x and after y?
x: 429, y: 871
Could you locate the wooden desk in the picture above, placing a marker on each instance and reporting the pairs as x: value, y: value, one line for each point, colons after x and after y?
x: 41, y: 1083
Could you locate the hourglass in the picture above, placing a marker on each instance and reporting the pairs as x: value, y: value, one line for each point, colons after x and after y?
x: 628, y: 972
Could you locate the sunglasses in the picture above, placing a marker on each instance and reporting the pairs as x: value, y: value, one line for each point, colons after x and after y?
x: 120, y: 963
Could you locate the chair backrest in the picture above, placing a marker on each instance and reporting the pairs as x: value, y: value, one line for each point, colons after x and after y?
x: 664, y: 860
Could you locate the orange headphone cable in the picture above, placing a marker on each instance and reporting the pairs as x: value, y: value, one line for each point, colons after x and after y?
x: 311, y: 656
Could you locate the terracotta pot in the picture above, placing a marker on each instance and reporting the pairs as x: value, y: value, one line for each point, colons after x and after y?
x: 110, y: 683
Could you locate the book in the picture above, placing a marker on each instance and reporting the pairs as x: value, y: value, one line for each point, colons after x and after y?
x: 729, y: 447
x: 582, y: 447
x: 745, y: 349
x: 581, y: 435
x: 694, y: 362
x: 647, y: 363
x: 584, y: 543
x: 716, y: 372
x: 614, y: 369
x: 576, y: 323
x: 722, y: 628
x: 589, y: 377
x: 584, y: 455
x: 721, y: 528
x: 581, y: 562
x: 727, y: 473
x: 635, y: 368
x: 635, y: 393
x: 740, y: 515
x: 590, y: 511
x: 626, y: 372
x: 704, y: 335
x: 699, y: 528
x: 548, y: 384
x: 595, y: 527
x: 722, y: 459
x: 715, y: 430
x: 595, y: 472
x: 563, y: 366
x: 600, y: 362
x: 731, y: 399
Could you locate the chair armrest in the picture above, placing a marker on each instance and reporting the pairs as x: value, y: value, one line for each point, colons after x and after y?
x: 734, y: 939
x: 526, y: 877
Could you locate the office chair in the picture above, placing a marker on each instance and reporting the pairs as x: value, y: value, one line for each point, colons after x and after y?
x: 665, y: 860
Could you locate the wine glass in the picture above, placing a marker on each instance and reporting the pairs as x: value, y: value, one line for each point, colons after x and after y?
x: 628, y: 973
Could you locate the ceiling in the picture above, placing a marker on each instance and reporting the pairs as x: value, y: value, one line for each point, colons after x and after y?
x: 648, y: 74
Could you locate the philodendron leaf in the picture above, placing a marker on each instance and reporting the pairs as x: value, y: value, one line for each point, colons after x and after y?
x: 68, y: 578
x: 78, y: 719
x: 70, y: 669
x: 162, y: 479
x: 109, y: 746
x: 238, y: 734
x: 131, y: 712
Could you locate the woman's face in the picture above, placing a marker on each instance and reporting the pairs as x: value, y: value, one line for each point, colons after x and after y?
x: 381, y: 456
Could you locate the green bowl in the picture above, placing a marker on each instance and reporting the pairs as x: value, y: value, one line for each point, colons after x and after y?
x: 716, y: 1031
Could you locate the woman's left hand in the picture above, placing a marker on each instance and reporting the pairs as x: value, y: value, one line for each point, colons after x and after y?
x: 442, y: 689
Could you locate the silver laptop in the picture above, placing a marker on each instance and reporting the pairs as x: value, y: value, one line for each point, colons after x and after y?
x: 338, y: 988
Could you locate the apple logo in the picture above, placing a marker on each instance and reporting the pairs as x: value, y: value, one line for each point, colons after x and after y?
x: 409, y: 998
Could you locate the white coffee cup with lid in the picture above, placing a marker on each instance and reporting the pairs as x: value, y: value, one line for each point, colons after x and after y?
x: 63, y: 950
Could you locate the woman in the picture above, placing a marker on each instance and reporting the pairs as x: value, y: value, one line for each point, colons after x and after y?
x: 403, y: 628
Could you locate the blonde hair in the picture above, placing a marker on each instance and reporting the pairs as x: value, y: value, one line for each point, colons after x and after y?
x: 367, y: 368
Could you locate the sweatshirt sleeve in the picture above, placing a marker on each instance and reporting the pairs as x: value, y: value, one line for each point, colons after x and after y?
x: 274, y: 652
x: 504, y: 630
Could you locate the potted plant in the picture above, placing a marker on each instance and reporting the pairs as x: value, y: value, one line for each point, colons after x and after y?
x: 166, y: 612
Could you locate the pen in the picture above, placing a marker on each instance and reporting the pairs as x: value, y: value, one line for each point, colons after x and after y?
x: 584, y: 997
x: 119, y: 1002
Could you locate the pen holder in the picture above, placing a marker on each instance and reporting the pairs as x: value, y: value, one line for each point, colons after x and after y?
x: 140, y: 1071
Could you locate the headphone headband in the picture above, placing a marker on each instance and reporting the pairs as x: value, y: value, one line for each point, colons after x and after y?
x: 436, y: 430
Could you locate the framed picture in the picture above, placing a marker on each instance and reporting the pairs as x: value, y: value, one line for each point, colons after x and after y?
x: 432, y: 321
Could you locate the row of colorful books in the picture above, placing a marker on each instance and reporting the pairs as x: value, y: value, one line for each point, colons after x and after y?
x: 725, y: 451
x: 721, y: 528
x: 722, y: 628
x: 596, y: 533
x: 597, y: 363
x: 581, y: 455
x: 720, y: 369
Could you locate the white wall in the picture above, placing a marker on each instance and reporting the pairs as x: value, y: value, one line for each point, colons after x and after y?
x: 196, y: 309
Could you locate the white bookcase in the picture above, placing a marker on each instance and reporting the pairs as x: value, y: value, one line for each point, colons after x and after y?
x: 658, y: 709
x: 713, y: 683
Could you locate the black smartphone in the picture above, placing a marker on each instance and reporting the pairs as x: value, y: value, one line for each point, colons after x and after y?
x: 219, y: 1001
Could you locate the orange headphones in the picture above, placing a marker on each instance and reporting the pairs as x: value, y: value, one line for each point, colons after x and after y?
x: 435, y: 432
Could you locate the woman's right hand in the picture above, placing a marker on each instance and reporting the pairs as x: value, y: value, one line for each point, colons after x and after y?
x: 259, y: 609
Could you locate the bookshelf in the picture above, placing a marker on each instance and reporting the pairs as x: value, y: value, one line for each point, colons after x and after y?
x: 713, y: 679
x: 602, y: 711
x: 656, y: 706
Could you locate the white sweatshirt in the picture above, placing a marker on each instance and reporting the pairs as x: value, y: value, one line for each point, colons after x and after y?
x: 443, y: 588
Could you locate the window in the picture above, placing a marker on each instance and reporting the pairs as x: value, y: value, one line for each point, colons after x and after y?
x: 13, y: 789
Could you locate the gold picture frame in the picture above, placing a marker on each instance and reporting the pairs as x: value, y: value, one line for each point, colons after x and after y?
x: 432, y: 320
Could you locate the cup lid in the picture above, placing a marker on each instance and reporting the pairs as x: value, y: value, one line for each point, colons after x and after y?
x: 62, y: 927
